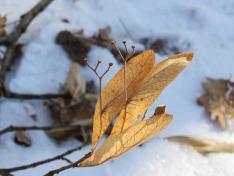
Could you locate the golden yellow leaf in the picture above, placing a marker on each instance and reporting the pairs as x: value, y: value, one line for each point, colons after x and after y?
x: 135, y: 135
x: 2, y: 25
x: 204, y: 145
x: 160, y: 76
x: 113, y: 93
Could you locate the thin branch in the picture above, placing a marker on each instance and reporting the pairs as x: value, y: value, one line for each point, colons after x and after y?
x: 13, y: 95
x: 118, y: 51
x: 66, y: 159
x: 14, y: 36
x: 125, y: 46
x: 12, y: 128
x: 38, y: 163
x: 108, y: 69
x: 69, y: 166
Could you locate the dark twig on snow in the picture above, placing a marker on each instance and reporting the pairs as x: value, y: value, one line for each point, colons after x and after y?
x: 11, y: 40
x: 12, y: 128
x: 13, y: 95
x: 69, y: 166
x: 38, y: 163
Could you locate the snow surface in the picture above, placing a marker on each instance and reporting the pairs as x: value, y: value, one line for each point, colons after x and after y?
x: 206, y: 25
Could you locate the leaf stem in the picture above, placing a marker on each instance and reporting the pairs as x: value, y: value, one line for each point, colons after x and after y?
x: 124, y: 60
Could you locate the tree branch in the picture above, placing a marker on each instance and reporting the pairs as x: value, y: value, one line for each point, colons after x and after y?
x: 38, y: 163
x: 13, y: 95
x: 12, y: 128
x: 69, y: 166
x: 13, y: 37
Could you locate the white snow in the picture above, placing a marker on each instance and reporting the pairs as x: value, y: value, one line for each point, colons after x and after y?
x: 207, y: 25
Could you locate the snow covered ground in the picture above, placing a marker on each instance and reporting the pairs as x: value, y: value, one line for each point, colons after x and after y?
x: 206, y: 25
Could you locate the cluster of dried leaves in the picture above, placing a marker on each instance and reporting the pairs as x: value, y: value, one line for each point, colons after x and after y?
x: 218, y: 100
x: 144, y: 81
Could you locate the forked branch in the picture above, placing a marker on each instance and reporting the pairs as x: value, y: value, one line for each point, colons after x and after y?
x: 100, y: 76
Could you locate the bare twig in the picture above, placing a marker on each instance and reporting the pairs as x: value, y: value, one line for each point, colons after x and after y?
x: 69, y: 166
x: 12, y: 128
x: 38, y: 163
x: 11, y: 40
x: 13, y: 95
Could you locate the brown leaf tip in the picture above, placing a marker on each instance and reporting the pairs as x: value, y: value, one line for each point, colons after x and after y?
x: 190, y: 56
x: 160, y: 110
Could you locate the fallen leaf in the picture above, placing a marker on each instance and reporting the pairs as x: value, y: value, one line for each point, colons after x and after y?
x: 75, y: 85
x: 64, y: 113
x: 218, y: 100
x: 160, y: 76
x: 22, y: 139
x: 135, y: 135
x: 76, y: 45
x: 113, y: 93
x: 204, y: 145
x: 2, y: 25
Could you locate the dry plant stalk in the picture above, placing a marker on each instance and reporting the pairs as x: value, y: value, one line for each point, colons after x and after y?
x: 125, y: 60
x: 100, y: 76
x: 204, y: 145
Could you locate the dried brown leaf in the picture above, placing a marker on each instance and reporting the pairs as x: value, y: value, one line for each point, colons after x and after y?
x: 218, y: 100
x: 2, y: 25
x: 204, y: 145
x: 135, y: 135
x: 22, y: 139
x: 161, y: 75
x: 113, y: 93
x: 75, y: 85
